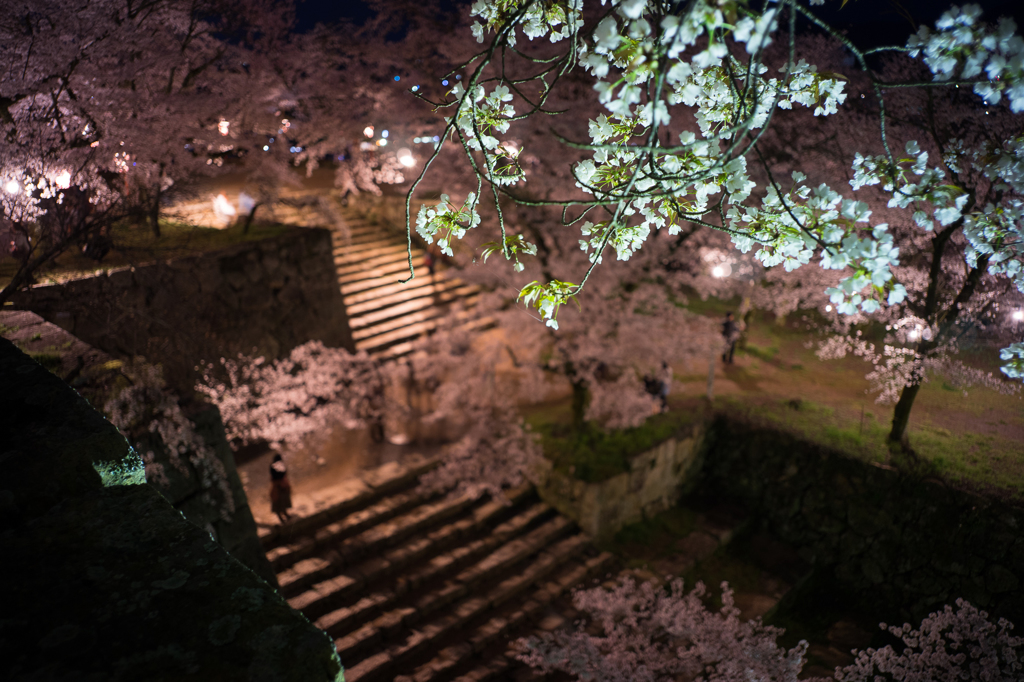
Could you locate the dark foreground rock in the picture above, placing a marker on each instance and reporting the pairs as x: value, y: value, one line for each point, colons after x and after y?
x: 103, y: 579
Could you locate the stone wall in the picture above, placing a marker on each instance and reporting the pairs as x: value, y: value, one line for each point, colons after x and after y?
x: 103, y: 579
x: 652, y: 485
x: 97, y: 377
x: 891, y: 538
x: 263, y: 297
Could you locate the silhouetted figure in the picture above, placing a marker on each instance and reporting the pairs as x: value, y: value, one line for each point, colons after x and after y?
x: 731, y: 334
x: 664, y: 384
x: 280, y: 489
x: 430, y: 261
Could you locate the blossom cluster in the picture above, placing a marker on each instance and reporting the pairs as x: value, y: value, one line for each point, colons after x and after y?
x: 150, y: 416
x: 287, y: 400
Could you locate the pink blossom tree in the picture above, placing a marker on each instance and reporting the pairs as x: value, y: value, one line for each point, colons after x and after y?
x: 949, y: 645
x: 150, y: 416
x: 660, y: 633
x: 286, y: 401
x: 648, y: 633
x: 649, y: 170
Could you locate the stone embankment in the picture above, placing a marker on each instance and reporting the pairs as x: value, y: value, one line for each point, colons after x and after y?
x: 97, y: 377
x: 414, y: 585
x: 257, y: 298
x: 904, y: 544
x: 103, y: 579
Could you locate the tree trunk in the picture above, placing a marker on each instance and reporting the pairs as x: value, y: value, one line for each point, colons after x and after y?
x: 901, y: 415
x: 154, y: 213
x: 248, y: 219
x: 580, y: 398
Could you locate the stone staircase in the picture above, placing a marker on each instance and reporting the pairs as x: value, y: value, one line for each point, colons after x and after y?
x: 427, y: 587
x: 386, y: 317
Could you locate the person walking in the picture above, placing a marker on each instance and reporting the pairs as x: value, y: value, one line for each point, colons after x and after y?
x: 664, y: 384
x: 430, y: 260
x: 280, y: 489
x: 731, y: 334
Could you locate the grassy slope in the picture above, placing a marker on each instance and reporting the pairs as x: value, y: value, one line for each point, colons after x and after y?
x: 975, y: 440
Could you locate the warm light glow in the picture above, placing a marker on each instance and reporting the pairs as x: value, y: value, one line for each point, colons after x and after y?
x: 1018, y: 316
x: 405, y: 158
x: 63, y: 179
x: 223, y: 126
x: 828, y: 309
x: 95, y: 144
x: 223, y: 208
x: 368, y: 131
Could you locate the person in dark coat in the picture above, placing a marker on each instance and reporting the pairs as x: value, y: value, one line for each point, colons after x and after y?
x: 280, y: 489
x: 731, y: 334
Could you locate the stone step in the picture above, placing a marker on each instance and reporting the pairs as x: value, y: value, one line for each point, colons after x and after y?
x: 464, y: 658
x: 494, y: 567
x: 379, y: 342
x: 346, y: 619
x: 374, y: 260
x: 385, y: 288
x: 392, y: 270
x: 377, y: 539
x: 345, y: 254
x: 384, y: 314
x: 398, y: 320
x: 425, y: 637
x: 404, y: 348
x: 419, y: 289
x: 361, y: 491
x: 290, y: 561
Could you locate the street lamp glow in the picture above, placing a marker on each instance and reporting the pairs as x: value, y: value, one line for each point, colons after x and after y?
x: 368, y: 131
x: 63, y: 179
x: 913, y: 334
x: 828, y: 308
x: 12, y: 187
x: 718, y: 271
x: 1018, y: 316
x: 405, y: 158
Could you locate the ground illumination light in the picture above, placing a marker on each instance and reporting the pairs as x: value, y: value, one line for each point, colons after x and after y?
x: 718, y: 271
x: 223, y: 127
x: 12, y: 187
x: 405, y: 158
x: 368, y: 131
x: 1018, y: 316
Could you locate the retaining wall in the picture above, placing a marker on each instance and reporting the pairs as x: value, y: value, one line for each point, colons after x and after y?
x: 263, y: 298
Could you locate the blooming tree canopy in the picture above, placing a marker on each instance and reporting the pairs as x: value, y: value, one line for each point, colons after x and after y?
x: 649, y: 170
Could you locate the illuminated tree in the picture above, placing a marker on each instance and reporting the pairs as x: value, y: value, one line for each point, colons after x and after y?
x: 649, y: 171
